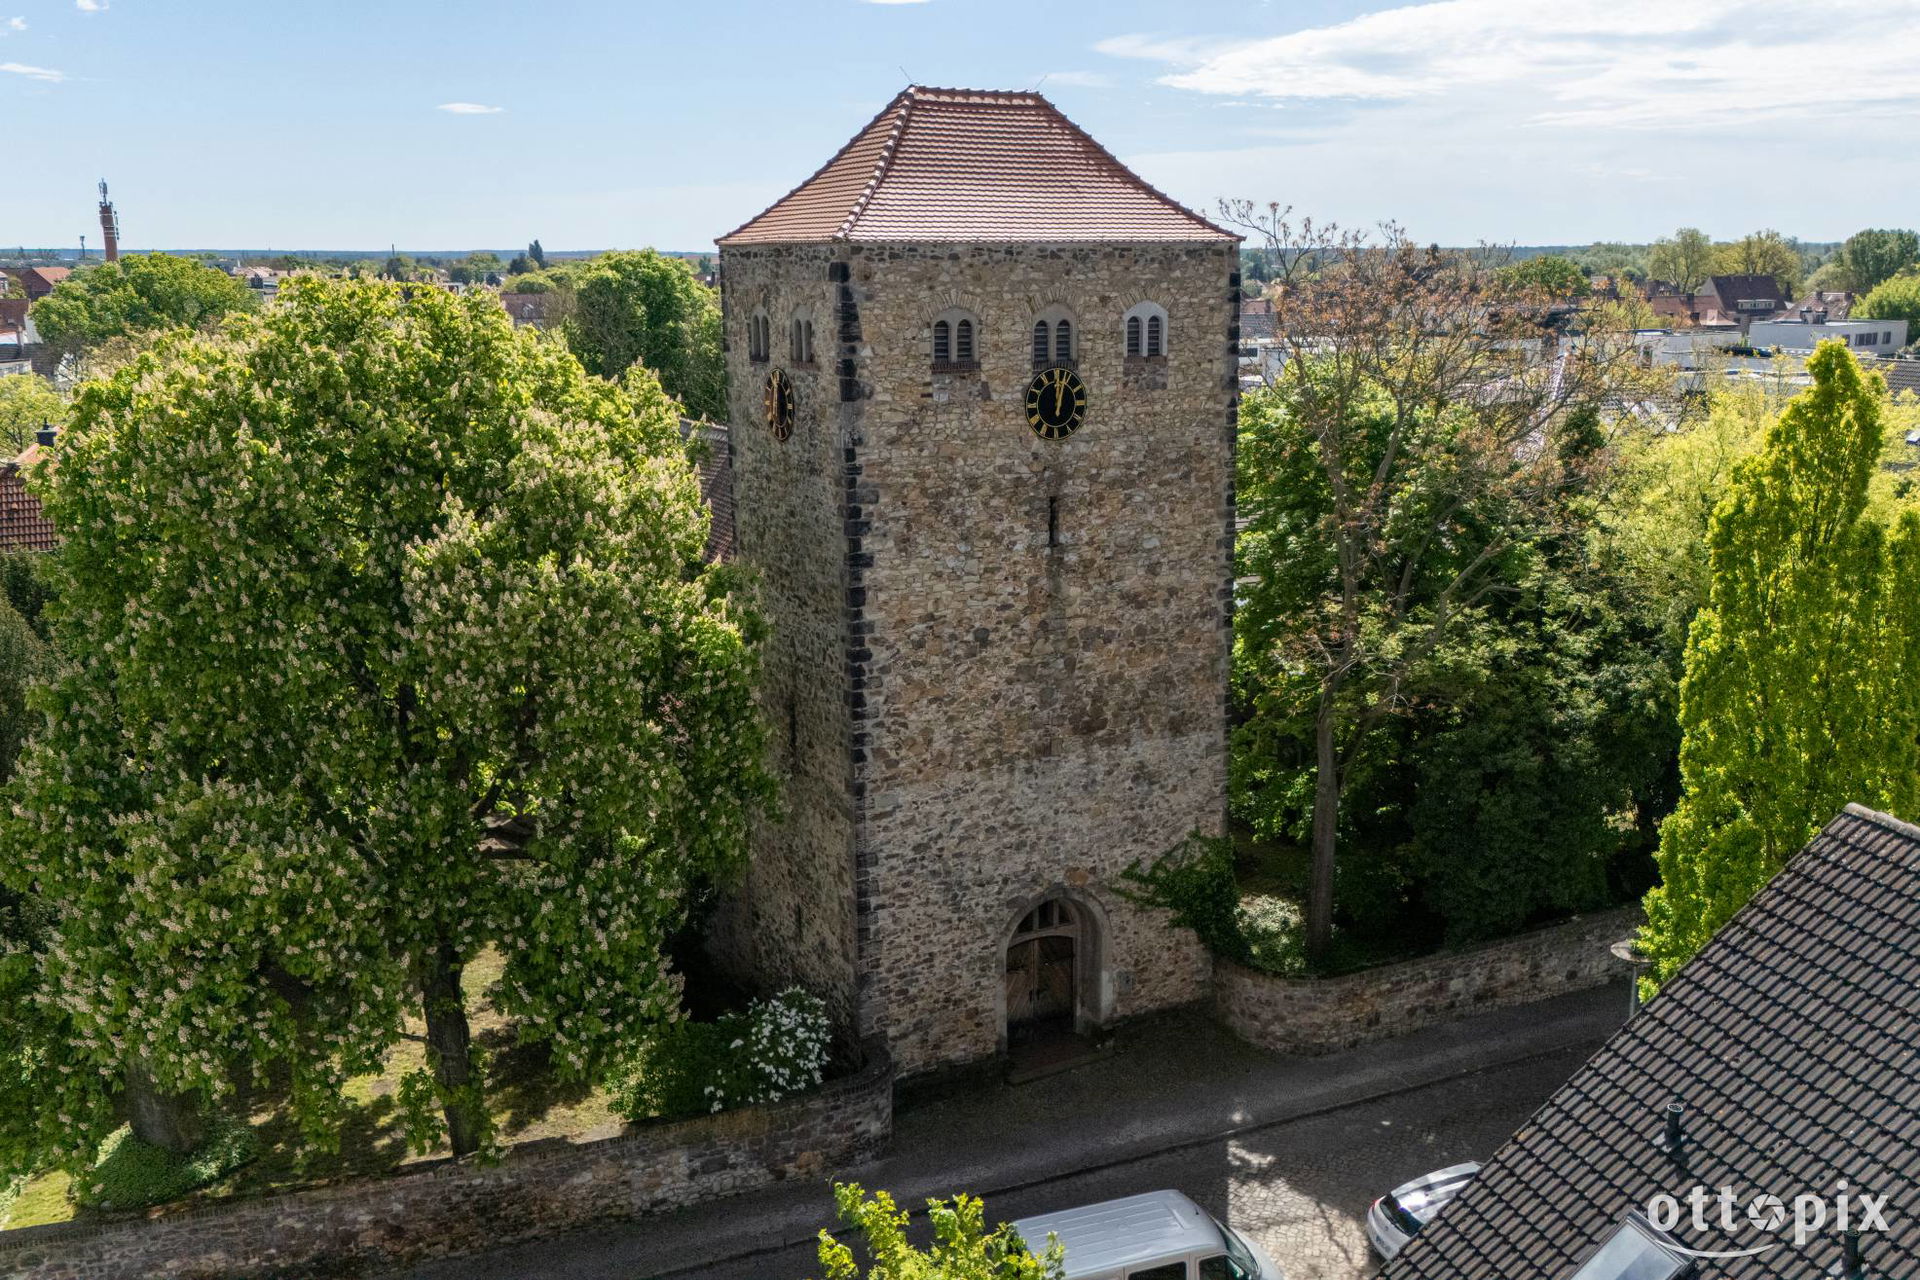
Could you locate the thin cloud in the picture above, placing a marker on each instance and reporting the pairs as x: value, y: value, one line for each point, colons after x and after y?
x: 90, y: 6
x: 1647, y: 64
x: 33, y: 73
x: 469, y: 109
x: 896, y: 1
x: 15, y: 24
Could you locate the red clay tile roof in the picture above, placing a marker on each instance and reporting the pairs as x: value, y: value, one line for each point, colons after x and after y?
x: 23, y: 526
x: 973, y: 165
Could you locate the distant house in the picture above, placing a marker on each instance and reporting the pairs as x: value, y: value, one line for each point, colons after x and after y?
x: 1835, y: 303
x: 1256, y: 318
x: 1669, y: 301
x: 1806, y: 329
x: 1778, y: 1063
x: 23, y: 525
x: 18, y: 337
x: 526, y: 308
x: 39, y: 281
x: 1738, y: 300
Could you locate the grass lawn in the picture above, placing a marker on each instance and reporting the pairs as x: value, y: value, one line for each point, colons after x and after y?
x: 527, y: 1104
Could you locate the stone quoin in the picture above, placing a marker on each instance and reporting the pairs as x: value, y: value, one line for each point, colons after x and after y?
x: 999, y: 664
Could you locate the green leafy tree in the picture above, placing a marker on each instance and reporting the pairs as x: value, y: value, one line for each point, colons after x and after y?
x: 27, y: 403
x: 1763, y: 253
x: 962, y: 1248
x: 139, y: 295
x: 1894, y: 299
x: 537, y: 256
x: 646, y: 308
x: 1799, y: 693
x: 1549, y: 274
x: 1388, y: 498
x: 397, y: 643
x: 398, y: 267
x: 1870, y: 257
x: 1686, y: 258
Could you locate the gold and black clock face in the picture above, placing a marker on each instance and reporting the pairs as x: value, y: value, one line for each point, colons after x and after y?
x: 779, y: 404
x: 1056, y: 403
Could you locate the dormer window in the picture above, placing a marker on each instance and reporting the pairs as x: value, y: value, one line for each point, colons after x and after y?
x: 954, y: 346
x: 1146, y: 331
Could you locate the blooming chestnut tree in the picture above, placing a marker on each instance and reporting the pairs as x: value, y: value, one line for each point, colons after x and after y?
x: 393, y: 641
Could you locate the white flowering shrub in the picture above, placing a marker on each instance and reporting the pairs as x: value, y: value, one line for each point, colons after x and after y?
x: 768, y: 1051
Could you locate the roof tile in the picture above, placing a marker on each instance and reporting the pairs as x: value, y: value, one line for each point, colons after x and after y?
x: 973, y: 165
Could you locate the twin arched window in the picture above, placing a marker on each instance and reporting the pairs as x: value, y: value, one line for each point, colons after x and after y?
x: 955, y: 334
x: 1052, y: 341
x: 759, y: 337
x: 801, y: 341
x: 1146, y: 330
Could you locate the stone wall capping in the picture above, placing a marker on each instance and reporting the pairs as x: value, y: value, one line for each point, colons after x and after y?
x: 1323, y: 1015
x: 443, y: 1208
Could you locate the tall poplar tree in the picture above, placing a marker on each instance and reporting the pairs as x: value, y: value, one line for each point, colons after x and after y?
x: 1800, y: 692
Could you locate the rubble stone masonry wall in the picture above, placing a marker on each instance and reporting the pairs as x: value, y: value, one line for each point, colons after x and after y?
x: 1321, y: 1015
x: 792, y: 918
x: 1044, y: 625
x: 446, y: 1209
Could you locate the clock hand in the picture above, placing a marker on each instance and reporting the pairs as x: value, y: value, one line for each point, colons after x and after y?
x: 1059, y: 394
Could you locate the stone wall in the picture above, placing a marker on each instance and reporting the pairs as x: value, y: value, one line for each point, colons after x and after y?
x: 1045, y: 630
x: 443, y: 1209
x: 792, y: 918
x: 1320, y: 1015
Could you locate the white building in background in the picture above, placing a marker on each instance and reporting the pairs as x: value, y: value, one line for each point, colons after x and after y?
x: 1801, y: 333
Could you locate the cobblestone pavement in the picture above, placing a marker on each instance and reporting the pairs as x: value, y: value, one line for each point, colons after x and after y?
x: 1301, y: 1188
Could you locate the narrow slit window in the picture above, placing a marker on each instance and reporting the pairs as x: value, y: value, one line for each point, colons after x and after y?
x: 942, y: 342
x: 1133, y: 335
x: 1063, y: 341
x: 1153, y: 335
x: 963, y: 340
x: 1053, y: 520
x: 806, y: 339
x: 1040, y: 342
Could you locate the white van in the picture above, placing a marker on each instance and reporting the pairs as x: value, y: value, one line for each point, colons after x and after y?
x: 1158, y: 1236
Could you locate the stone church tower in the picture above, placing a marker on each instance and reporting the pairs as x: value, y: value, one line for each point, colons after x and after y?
x: 982, y: 389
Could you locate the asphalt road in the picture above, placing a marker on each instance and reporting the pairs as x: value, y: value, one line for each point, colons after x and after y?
x: 1302, y: 1187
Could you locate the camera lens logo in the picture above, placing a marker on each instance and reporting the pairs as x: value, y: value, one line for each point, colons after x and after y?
x: 1724, y: 1209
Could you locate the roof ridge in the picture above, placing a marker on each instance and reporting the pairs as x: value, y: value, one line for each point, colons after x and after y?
x: 905, y: 98
x: 831, y: 160
x: 1886, y: 820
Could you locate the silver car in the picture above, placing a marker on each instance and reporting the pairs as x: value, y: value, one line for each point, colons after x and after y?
x: 1158, y: 1236
x: 1397, y: 1217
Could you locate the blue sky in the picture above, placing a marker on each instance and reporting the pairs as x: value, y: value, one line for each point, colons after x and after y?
x: 626, y: 122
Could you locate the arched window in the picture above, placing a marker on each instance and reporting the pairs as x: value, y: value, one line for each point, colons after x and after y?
x: 953, y: 340
x: 806, y: 338
x: 1053, y: 337
x: 1146, y: 328
x: 759, y: 336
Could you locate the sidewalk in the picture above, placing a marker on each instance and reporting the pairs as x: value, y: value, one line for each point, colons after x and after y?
x: 1168, y: 1084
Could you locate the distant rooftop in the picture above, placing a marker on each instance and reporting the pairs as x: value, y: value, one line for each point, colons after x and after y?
x: 973, y: 165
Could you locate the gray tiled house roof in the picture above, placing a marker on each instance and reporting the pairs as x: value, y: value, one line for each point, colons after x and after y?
x: 1793, y: 1039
